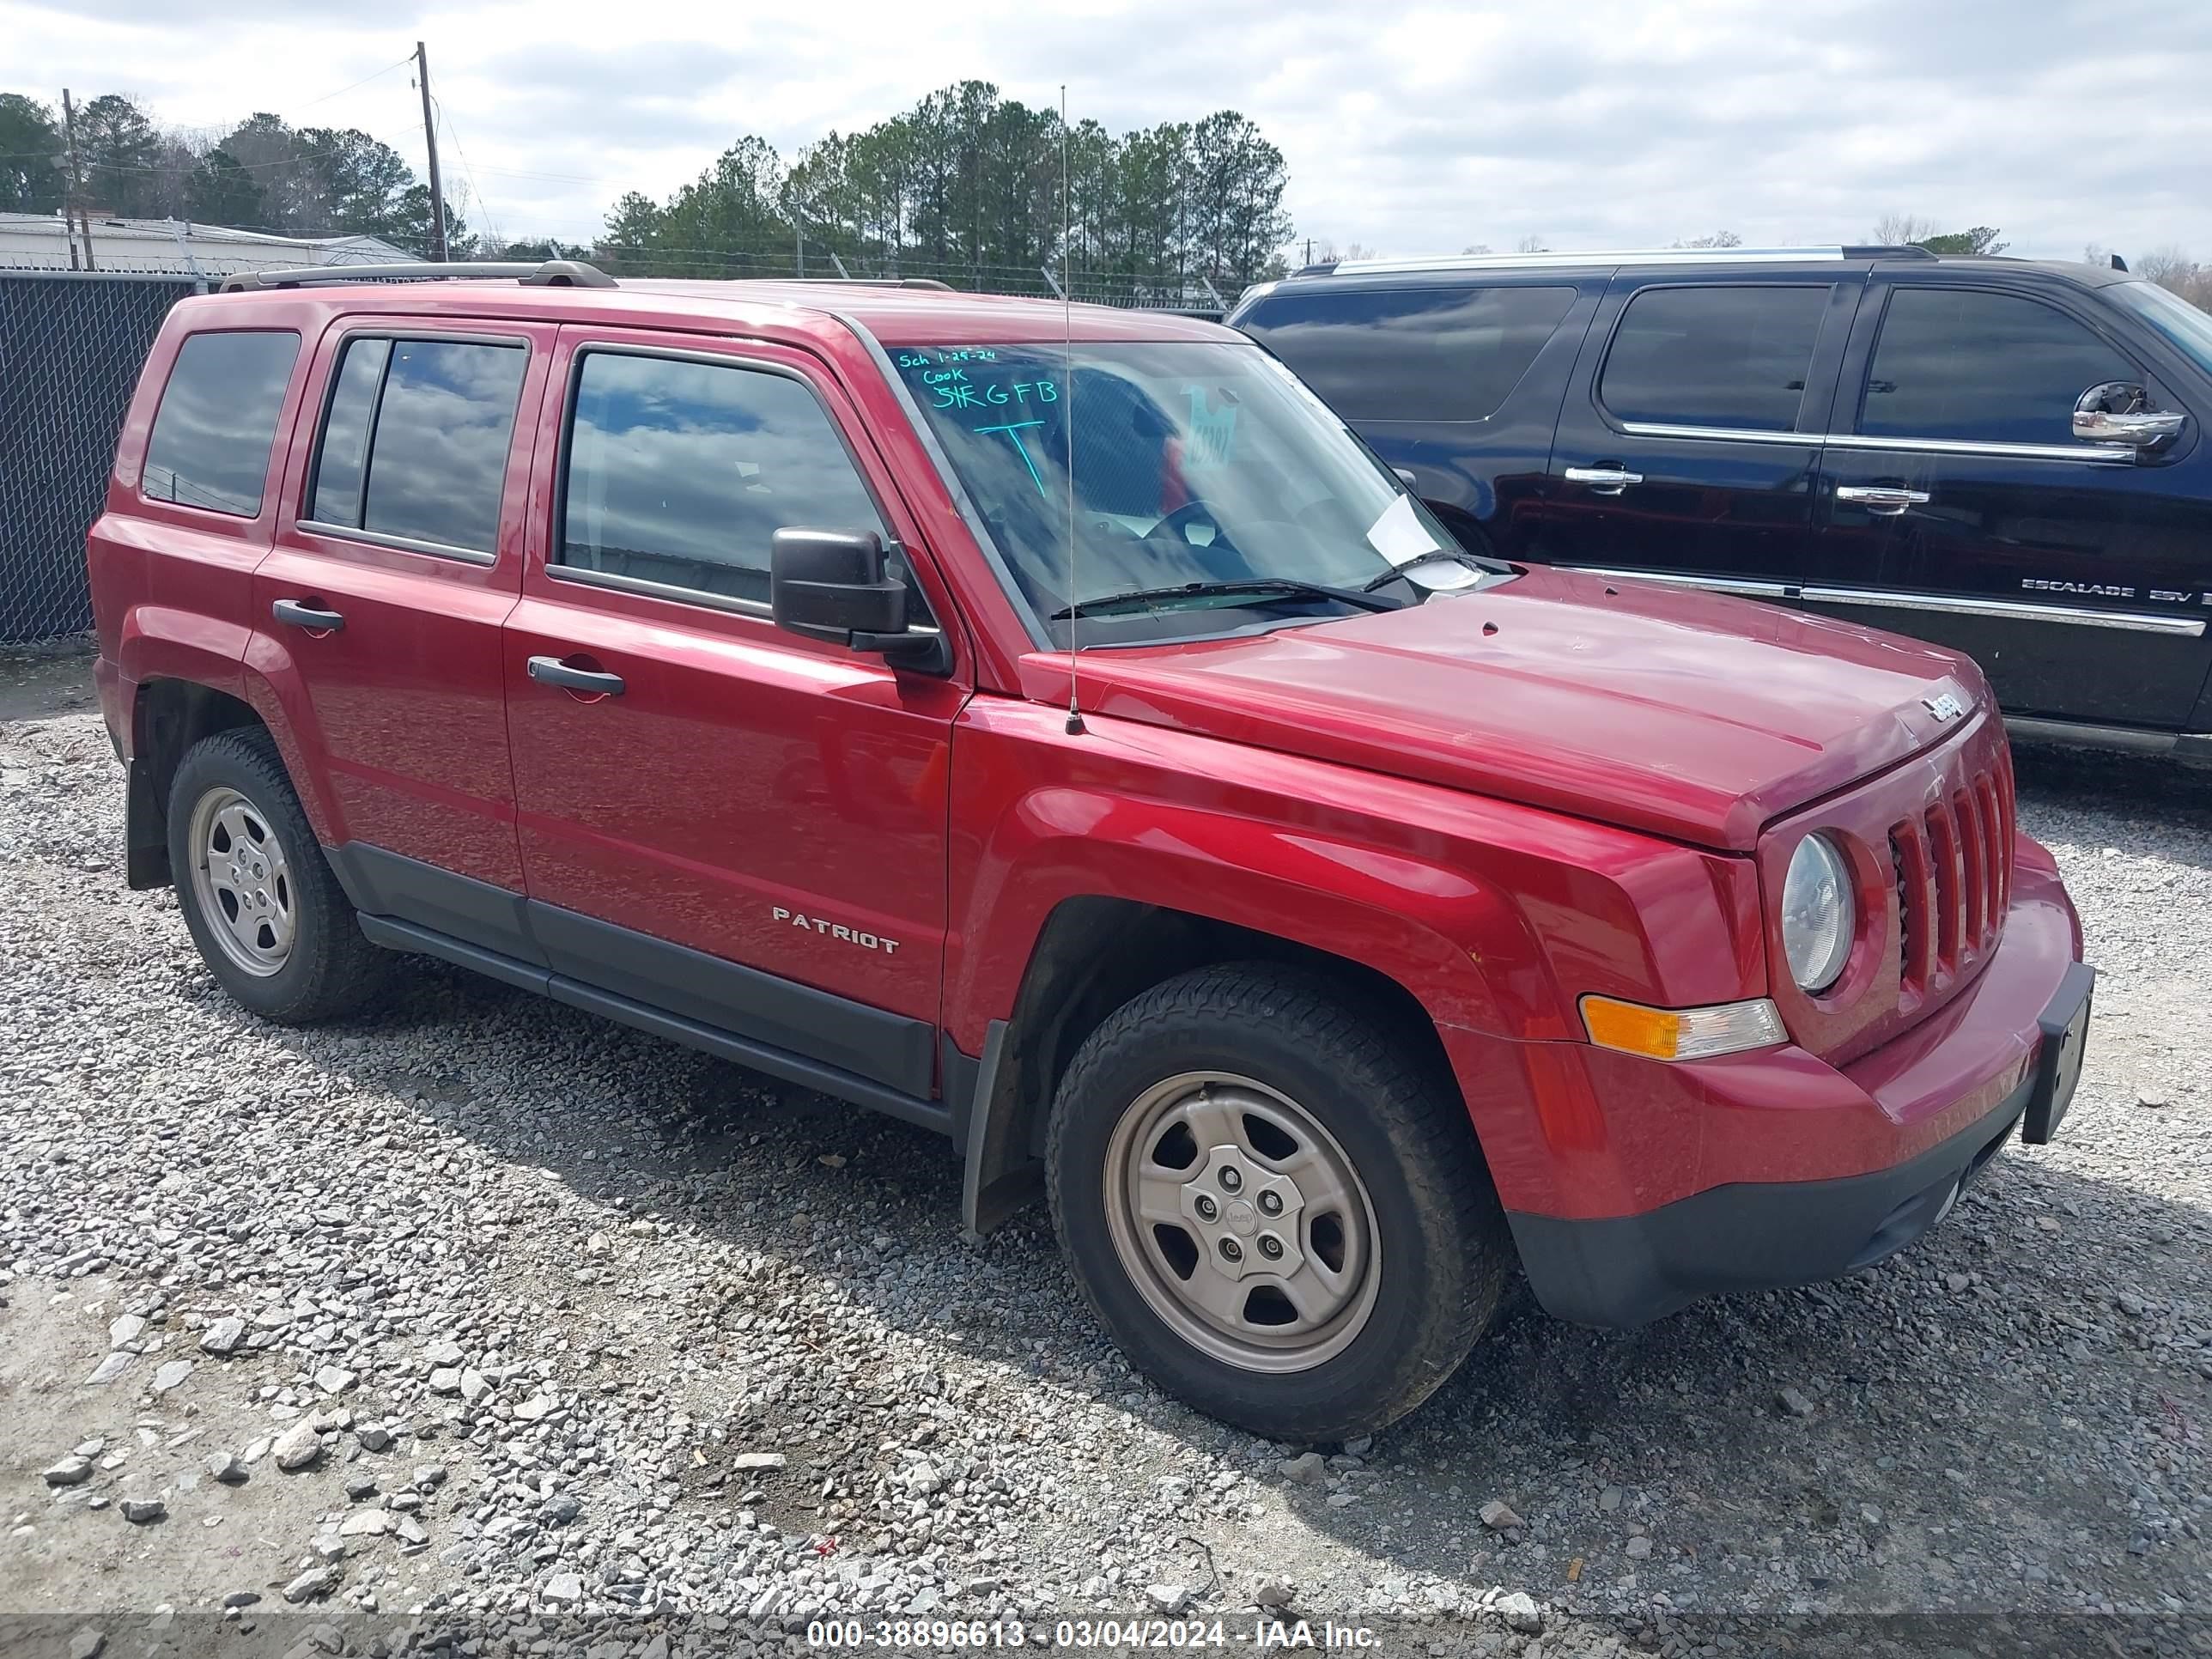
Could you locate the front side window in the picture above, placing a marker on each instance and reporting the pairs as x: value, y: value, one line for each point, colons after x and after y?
x: 416, y: 439
x: 681, y: 472
x: 1714, y: 356
x: 2187, y: 328
x: 218, y: 422
x: 1966, y: 364
x: 1412, y: 354
x: 1193, y: 467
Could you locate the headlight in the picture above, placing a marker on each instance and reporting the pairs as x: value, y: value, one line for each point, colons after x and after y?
x: 1817, y: 914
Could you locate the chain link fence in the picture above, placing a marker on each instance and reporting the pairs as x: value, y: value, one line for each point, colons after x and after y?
x: 71, y: 343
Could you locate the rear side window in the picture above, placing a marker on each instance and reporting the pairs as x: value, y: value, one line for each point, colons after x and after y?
x: 681, y: 472
x: 1714, y: 356
x: 1984, y: 367
x: 1413, y: 354
x: 218, y: 422
x: 416, y: 440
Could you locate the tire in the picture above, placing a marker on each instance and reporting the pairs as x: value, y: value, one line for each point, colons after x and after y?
x: 308, y: 959
x: 1296, y: 1080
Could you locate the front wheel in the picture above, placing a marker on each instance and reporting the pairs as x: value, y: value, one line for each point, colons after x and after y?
x: 1274, y: 1203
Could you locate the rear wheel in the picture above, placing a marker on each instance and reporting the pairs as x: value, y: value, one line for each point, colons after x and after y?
x: 262, y: 904
x: 1274, y: 1205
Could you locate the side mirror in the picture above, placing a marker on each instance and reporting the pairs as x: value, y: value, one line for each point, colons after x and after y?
x: 2113, y: 413
x: 830, y: 585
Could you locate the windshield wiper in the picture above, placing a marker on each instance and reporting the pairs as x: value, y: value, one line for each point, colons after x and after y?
x: 1457, y: 555
x: 1285, y: 587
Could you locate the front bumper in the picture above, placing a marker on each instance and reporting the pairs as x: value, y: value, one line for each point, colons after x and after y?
x: 1908, y: 1126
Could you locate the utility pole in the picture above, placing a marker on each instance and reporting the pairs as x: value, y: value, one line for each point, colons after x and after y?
x: 74, y: 213
x: 430, y: 140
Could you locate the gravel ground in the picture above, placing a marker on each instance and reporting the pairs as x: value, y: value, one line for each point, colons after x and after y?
x: 480, y: 1319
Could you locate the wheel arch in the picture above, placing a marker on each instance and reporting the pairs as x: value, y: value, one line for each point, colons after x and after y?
x: 1093, y: 954
x: 169, y: 716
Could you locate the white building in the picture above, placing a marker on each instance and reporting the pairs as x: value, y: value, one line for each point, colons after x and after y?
x: 44, y: 242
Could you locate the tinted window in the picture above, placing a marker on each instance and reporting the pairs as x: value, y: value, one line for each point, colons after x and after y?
x: 1413, y: 354
x: 218, y: 421
x: 342, y: 461
x: 681, y: 472
x: 1991, y: 368
x: 1714, y: 356
x: 437, y: 461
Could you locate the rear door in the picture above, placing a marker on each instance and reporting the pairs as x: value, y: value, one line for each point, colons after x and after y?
x: 1691, y: 434
x: 729, y: 822
x: 1954, y: 483
x: 380, y: 607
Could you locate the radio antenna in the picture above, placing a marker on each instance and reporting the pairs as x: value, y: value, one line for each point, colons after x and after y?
x: 1075, y: 728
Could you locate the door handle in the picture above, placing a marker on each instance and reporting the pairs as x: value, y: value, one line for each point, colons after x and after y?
x: 1881, y: 500
x: 1602, y: 480
x: 551, y: 670
x: 300, y: 614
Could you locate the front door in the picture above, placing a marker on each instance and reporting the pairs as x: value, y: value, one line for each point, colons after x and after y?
x: 2067, y: 569
x: 398, y: 556
x: 1691, y: 433
x: 721, y: 819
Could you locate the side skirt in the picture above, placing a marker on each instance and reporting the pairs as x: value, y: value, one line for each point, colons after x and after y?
x: 696, y: 1034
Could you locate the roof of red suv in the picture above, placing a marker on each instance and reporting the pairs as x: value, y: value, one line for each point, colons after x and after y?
x: 897, y: 316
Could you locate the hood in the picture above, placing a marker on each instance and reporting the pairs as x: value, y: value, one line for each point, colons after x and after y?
x: 1684, y: 714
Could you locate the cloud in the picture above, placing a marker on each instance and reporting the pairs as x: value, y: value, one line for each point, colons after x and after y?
x: 1408, y: 129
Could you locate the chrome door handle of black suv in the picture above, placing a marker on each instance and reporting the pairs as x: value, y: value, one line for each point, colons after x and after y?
x: 301, y: 614
x: 551, y: 670
x: 1602, y: 480
x: 1881, y: 499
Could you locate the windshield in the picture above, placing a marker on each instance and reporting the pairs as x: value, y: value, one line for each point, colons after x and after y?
x: 1195, y: 464
x: 2186, y: 327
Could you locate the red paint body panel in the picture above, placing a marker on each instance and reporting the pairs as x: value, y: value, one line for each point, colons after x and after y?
x: 743, y: 771
x: 1685, y: 714
x: 1609, y: 1134
x: 1502, y: 801
x: 401, y: 716
x: 1496, y: 916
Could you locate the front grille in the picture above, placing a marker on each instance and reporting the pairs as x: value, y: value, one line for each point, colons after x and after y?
x: 1954, y: 869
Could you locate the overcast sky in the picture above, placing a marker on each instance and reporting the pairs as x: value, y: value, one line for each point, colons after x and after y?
x: 1408, y: 129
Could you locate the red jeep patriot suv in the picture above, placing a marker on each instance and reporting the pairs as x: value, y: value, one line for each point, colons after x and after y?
x: 1054, y: 728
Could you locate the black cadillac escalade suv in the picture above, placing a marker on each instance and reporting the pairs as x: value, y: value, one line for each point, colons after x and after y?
x: 2003, y: 457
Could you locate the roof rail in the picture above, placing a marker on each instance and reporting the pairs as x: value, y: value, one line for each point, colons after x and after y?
x: 1888, y: 250
x: 546, y: 273
x: 1662, y: 256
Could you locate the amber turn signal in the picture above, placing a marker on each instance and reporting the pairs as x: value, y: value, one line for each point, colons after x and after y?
x: 1728, y: 1028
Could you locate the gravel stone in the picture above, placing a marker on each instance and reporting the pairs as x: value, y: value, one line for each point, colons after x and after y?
x: 225, y: 1467
x: 312, y: 1585
x: 223, y: 1336
x: 140, y: 1511
x: 1307, y: 1468
x: 1521, y: 1613
x: 71, y: 1471
x: 87, y: 1644
x: 1795, y: 1402
x: 298, y: 1446
x: 1169, y: 1599
x: 1498, y: 1515
x: 752, y: 1463
x: 170, y: 1376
